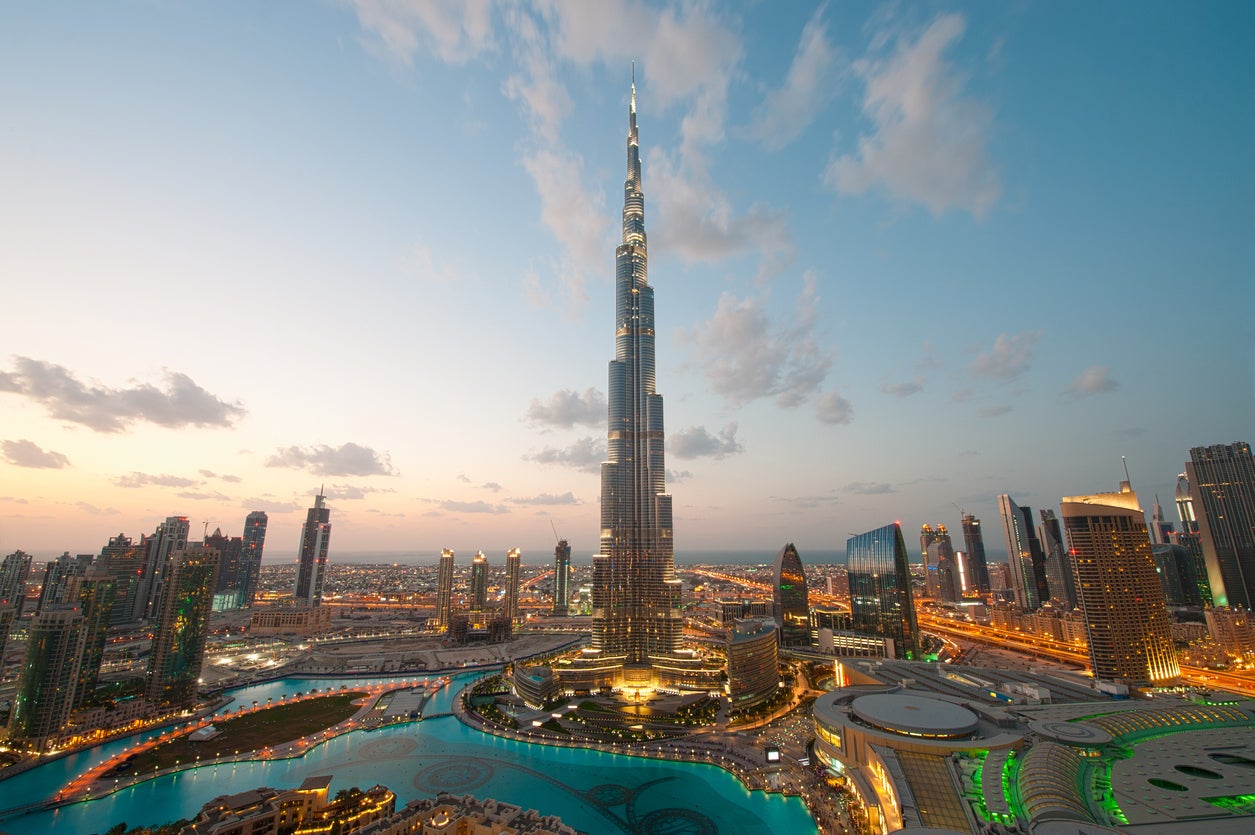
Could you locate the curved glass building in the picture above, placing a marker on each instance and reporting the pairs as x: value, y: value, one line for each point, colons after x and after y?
x: 880, y: 588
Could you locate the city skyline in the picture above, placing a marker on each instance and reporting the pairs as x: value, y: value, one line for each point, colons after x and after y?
x: 417, y: 207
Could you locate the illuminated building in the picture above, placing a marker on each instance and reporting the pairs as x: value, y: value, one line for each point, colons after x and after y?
x: 61, y: 578
x: 446, y: 813
x: 789, y: 597
x: 170, y: 536
x: 230, y: 554
x: 1179, y: 575
x: 1130, y: 636
x: 753, y: 663
x: 96, y: 594
x: 513, y: 561
x: 562, y: 579
x: 312, y: 556
x: 15, y: 569
x: 302, y: 811
x: 534, y: 685
x: 1232, y: 629
x: 1024, y: 555
x: 479, y: 582
x: 974, y: 542
x: 881, y: 602
x: 178, y: 649
x: 1058, y: 567
x: 250, y: 560
x: 1222, y: 484
x: 637, y: 627
x: 283, y: 620
x: 444, y: 588
x: 45, y: 689
x: 124, y: 560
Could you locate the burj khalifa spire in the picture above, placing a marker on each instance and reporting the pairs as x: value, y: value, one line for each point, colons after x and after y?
x: 636, y: 596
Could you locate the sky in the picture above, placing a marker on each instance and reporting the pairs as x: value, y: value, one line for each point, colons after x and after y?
x: 907, y: 257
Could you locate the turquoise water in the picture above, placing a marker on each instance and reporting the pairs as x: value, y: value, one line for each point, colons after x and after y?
x: 593, y: 791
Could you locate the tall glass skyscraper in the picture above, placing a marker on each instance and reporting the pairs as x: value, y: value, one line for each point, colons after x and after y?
x: 880, y: 588
x: 254, y: 543
x: 977, y: 567
x: 513, y: 564
x: 178, y: 649
x: 312, y: 559
x: 562, y: 579
x: 790, y: 599
x: 1222, y: 484
x: 444, y: 588
x: 1024, y: 555
x: 479, y: 581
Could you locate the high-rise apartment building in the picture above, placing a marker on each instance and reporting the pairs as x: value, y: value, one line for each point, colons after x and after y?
x: 124, y: 560
x: 312, y: 557
x: 562, y: 579
x: 1185, y: 504
x: 182, y: 627
x: 250, y: 560
x: 479, y: 581
x: 96, y: 593
x: 444, y: 588
x: 881, y: 602
x: 1222, y: 485
x: 513, y: 565
x: 1233, y: 630
x: 170, y: 536
x: 637, y: 627
x: 977, y: 566
x: 45, y: 688
x: 61, y: 577
x: 1058, y: 565
x: 15, y: 570
x: 790, y: 600
x: 230, y: 557
x: 1024, y: 555
x: 1126, y: 622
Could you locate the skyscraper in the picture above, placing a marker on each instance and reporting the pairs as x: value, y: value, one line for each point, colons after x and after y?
x: 881, y: 602
x: 479, y: 581
x: 1130, y: 637
x: 45, y: 689
x: 124, y: 560
x: 170, y: 536
x: 61, y: 577
x: 977, y: 567
x: 1059, y: 577
x: 938, y: 553
x: 250, y: 561
x: 96, y: 592
x: 790, y: 600
x: 315, y: 537
x: 513, y: 563
x: 1222, y: 485
x: 178, y: 649
x: 562, y: 579
x: 230, y: 559
x: 15, y: 569
x: 444, y: 588
x: 1024, y: 555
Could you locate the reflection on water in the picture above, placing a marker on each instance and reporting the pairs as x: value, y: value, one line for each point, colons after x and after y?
x: 592, y: 791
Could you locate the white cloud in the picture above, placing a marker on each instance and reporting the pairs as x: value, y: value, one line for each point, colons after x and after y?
x: 869, y: 488
x: 696, y: 442
x: 104, y: 409
x: 547, y: 499
x: 352, y: 491
x: 1009, y: 357
x: 585, y: 454
x: 453, y: 30
x: 834, y: 409
x: 996, y: 411
x: 346, y: 459
x: 270, y: 505
x: 810, y: 83
x: 26, y: 453
x: 567, y: 408
x: 147, y: 480
x: 1096, y: 379
x: 904, y: 389
x: 745, y: 356
x: 929, y: 140
x: 473, y: 507
x: 198, y: 496
x: 230, y: 479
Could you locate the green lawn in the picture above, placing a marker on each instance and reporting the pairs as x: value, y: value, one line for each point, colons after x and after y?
x: 252, y: 732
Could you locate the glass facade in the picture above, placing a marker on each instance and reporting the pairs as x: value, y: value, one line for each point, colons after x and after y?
x: 312, y: 560
x: 444, y: 587
x: 977, y: 567
x: 479, y: 581
x: 562, y: 579
x: 880, y: 588
x: 1222, y: 484
x: 790, y: 599
x: 513, y: 562
x: 250, y: 562
x: 178, y: 648
x: 1024, y: 555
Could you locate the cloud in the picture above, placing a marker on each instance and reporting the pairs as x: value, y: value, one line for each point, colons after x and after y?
x: 1009, y: 358
x: 810, y: 83
x: 182, y: 402
x: 566, y: 409
x: 996, y: 411
x: 929, y: 361
x: 928, y: 143
x: 807, y: 502
x: 696, y: 442
x: 869, y: 488
x: 148, y: 480
x: 491, y: 485
x: 904, y: 389
x: 547, y: 499
x: 26, y: 453
x: 195, y: 496
x: 962, y: 394
x: 270, y: 505
x: 834, y: 409
x: 452, y: 30
x: 678, y: 476
x: 230, y: 479
x: 88, y: 507
x: 473, y: 507
x: 585, y: 454
x: 346, y: 459
x: 464, y: 478
x: 745, y: 356
x: 14, y: 499
x: 1096, y: 379
x: 1130, y: 432
x: 352, y: 492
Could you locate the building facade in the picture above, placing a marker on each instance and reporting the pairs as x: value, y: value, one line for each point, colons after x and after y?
x: 1126, y: 622
x: 45, y: 688
x: 881, y: 602
x: 562, y: 579
x: 1060, y: 581
x: 790, y: 600
x: 178, y: 649
x: 753, y: 663
x: 974, y: 542
x: 444, y: 588
x: 312, y: 556
x: 1222, y: 484
x: 250, y: 561
x: 479, y: 581
x: 513, y: 565
x: 1024, y: 555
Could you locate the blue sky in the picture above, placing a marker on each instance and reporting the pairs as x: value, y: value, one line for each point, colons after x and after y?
x: 906, y: 256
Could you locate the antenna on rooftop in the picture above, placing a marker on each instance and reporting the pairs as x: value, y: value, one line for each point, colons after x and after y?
x: 556, y: 538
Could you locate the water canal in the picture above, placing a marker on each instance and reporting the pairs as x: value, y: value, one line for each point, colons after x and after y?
x: 593, y: 791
